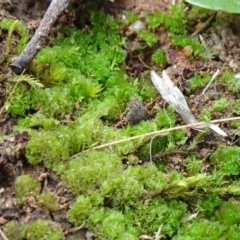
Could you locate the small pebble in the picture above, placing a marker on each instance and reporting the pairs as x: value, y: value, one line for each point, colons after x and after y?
x: 188, y: 51
x: 138, y: 25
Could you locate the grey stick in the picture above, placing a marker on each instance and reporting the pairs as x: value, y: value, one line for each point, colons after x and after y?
x: 34, y: 45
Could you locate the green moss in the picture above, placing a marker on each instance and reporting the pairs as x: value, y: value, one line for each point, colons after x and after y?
x: 148, y: 175
x: 208, y: 204
x: 173, y: 20
x: 16, y: 231
x: 201, y: 229
x: 226, y: 160
x: 26, y: 186
x: 229, y: 212
x: 38, y: 121
x: 78, y: 72
x: 148, y: 216
x: 193, y: 165
x: 87, y: 173
x: 19, y: 102
x: 206, y: 115
x: 52, y: 102
x: 114, y: 225
x: 51, y: 147
x: 146, y: 89
x: 176, y: 20
x: 54, y: 74
x: 220, y: 105
x: 84, y: 207
x: 131, y: 17
x: 199, y: 81
x: 155, y: 19
x: 159, y: 57
x: 233, y: 233
x: 49, y: 201
x: 86, y: 89
x: 232, y: 82
x: 42, y: 229
x: 36, y: 230
x: 198, y: 12
x: 166, y: 118
x: 183, y: 41
x: 235, y: 124
x: 144, y: 217
x: 236, y: 107
x: 122, y: 190
x: 12, y: 25
x: 148, y: 37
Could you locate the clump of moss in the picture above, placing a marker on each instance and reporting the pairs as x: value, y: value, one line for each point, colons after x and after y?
x: 131, y: 17
x: 236, y: 107
x: 51, y: 147
x: 183, y: 41
x: 206, y: 115
x: 198, y: 12
x: 84, y: 207
x: 122, y: 190
x: 229, y: 212
x: 226, y: 160
x: 39, y: 121
x: 149, y: 216
x: 12, y: 25
x: 148, y: 37
x: 87, y: 173
x: 159, y: 57
x: 144, y: 217
x: 201, y: 229
x: 26, y: 186
x: 13, y: 230
x: 220, y: 105
x: 19, y: 103
x: 36, y: 230
x: 42, y: 229
x: 208, y: 204
x: 232, y: 82
x: 199, y: 81
x: 72, y: 73
x: 173, y: 20
x: 193, y: 165
x: 166, y: 118
x: 48, y: 200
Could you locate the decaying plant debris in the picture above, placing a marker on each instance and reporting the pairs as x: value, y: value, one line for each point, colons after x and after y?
x: 96, y: 152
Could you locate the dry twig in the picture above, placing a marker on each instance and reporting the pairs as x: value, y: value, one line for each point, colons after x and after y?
x: 34, y: 45
x: 151, y: 134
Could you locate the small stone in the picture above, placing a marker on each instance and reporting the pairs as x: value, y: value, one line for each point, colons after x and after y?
x: 137, y: 112
x: 3, y: 221
x: 188, y: 51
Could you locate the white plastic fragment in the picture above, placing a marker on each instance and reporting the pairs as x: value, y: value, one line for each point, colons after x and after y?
x: 217, y: 129
x: 172, y: 95
x: 137, y: 25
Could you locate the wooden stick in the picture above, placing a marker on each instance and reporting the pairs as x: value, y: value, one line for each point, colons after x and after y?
x: 34, y: 45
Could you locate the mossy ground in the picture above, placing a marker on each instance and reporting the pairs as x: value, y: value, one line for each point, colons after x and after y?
x: 73, y: 99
